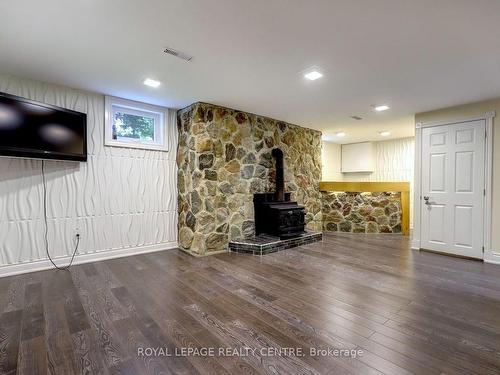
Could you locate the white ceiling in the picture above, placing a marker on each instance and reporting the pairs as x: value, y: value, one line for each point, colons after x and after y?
x: 413, y: 55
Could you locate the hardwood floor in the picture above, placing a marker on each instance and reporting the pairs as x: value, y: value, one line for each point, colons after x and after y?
x: 408, y: 312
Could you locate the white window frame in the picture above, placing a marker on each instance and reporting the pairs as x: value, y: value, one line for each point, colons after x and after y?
x: 160, y: 114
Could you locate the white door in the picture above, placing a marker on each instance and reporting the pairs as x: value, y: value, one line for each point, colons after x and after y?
x: 453, y: 188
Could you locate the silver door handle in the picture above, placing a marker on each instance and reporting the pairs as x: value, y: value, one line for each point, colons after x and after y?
x: 426, y: 199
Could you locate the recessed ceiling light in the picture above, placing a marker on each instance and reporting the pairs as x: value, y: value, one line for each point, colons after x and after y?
x: 340, y: 134
x: 151, y: 82
x: 385, y: 133
x: 313, y: 75
x: 380, y: 108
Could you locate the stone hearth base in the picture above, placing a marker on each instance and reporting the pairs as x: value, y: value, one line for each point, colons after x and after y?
x: 265, y: 244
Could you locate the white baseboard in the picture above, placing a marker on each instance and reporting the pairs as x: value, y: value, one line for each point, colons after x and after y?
x: 492, y: 257
x: 45, y: 264
x: 497, y: 262
x: 415, y: 245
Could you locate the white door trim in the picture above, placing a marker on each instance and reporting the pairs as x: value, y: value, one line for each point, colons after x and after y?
x: 489, y: 255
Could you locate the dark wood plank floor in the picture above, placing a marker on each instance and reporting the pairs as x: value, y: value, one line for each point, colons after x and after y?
x: 408, y: 312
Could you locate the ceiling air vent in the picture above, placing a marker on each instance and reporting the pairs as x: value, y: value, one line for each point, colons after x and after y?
x: 180, y: 55
x: 357, y: 117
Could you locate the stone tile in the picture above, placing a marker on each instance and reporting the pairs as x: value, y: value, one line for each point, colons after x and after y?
x: 265, y: 244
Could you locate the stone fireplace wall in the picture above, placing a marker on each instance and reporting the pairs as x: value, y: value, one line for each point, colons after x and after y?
x: 362, y: 212
x: 223, y: 158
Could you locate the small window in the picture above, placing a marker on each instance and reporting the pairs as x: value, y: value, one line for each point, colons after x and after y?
x: 134, y: 124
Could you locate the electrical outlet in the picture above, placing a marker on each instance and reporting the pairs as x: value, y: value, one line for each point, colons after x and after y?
x: 77, y: 233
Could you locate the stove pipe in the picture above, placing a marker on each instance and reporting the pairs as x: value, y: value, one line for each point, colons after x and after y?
x: 279, y: 194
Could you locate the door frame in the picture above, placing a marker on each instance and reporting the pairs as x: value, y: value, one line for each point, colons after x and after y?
x: 489, y: 255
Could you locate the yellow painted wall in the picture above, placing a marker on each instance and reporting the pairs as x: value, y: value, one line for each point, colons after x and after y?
x: 469, y: 110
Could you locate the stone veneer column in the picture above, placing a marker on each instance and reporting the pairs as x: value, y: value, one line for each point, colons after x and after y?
x: 223, y: 158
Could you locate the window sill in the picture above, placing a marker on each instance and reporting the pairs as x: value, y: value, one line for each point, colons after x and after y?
x: 141, y: 146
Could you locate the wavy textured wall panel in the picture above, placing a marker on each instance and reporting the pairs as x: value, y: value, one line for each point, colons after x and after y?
x: 121, y: 198
x: 394, y: 161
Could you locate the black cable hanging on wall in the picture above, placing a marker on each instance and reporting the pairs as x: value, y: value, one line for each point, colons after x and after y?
x: 46, y: 235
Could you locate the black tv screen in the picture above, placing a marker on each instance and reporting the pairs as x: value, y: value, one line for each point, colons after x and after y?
x: 36, y: 130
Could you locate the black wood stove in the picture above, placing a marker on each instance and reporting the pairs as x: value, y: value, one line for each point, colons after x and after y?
x: 275, y: 214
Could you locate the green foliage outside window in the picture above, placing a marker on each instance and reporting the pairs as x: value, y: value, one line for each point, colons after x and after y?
x: 133, y: 126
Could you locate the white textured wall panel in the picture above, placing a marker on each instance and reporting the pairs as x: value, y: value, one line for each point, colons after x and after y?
x: 394, y: 161
x: 121, y: 198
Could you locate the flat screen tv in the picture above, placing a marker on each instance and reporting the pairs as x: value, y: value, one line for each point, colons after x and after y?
x: 31, y: 129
